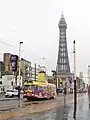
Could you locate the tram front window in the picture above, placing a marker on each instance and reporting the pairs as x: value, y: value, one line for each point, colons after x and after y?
x: 26, y: 87
x: 32, y: 87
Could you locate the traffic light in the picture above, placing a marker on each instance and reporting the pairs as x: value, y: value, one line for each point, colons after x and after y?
x: 13, y: 61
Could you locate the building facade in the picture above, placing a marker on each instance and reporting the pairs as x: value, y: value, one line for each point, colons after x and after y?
x: 34, y: 73
x: 25, y: 67
x: 27, y: 71
x: 8, y: 82
x: 35, y: 70
x: 7, y: 64
x: 81, y: 76
x: 1, y: 68
x: 6, y: 60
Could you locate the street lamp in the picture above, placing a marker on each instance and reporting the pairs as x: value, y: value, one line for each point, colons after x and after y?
x: 75, y: 94
x: 20, y: 60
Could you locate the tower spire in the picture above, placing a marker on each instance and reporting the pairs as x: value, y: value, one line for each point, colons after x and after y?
x: 62, y: 15
x: 62, y: 22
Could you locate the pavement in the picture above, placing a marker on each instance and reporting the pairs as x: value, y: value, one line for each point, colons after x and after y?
x: 62, y: 113
x: 83, y: 110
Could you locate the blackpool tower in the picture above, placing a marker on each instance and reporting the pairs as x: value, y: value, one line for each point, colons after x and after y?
x: 63, y: 67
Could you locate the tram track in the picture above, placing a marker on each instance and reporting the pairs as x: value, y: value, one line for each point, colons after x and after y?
x: 24, y: 103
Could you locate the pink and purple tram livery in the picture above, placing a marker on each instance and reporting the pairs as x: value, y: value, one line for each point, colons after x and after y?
x: 39, y: 90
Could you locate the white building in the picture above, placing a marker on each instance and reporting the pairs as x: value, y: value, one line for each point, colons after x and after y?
x: 8, y: 82
x: 33, y: 73
x: 38, y: 69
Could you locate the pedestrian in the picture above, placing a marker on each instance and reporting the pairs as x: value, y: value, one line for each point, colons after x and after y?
x: 57, y: 91
x: 65, y: 90
x: 89, y: 95
x: 19, y: 92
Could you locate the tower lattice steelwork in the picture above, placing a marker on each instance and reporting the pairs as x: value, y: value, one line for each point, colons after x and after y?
x: 63, y: 67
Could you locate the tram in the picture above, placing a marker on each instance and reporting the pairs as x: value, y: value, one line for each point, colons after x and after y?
x: 39, y: 90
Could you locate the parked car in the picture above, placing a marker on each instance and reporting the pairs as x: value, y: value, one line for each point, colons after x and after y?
x: 11, y: 93
x: 84, y: 90
x: 79, y: 91
x: 59, y: 90
x: 21, y: 92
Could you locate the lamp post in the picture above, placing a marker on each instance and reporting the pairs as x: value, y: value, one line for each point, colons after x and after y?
x: 57, y: 76
x: 75, y: 93
x: 39, y: 67
x: 19, y: 61
x: 35, y: 71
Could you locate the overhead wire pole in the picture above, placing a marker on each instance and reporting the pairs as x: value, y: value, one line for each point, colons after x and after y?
x: 20, y: 60
x: 35, y: 71
x: 57, y: 77
x: 75, y: 93
x: 19, y: 68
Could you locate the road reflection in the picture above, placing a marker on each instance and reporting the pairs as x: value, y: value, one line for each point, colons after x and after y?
x: 56, y: 114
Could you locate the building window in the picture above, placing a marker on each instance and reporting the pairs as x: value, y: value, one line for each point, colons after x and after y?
x: 1, y: 89
x: 12, y: 83
x: 61, y: 67
x: 0, y: 82
x: 27, y: 68
x: 64, y: 67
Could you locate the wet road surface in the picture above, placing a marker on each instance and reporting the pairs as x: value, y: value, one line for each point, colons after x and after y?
x: 83, y: 113
x: 56, y: 114
x: 8, y: 103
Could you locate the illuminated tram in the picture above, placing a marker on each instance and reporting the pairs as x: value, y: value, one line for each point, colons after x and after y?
x: 39, y: 89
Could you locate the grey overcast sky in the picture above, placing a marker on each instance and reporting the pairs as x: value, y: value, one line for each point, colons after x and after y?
x: 35, y: 22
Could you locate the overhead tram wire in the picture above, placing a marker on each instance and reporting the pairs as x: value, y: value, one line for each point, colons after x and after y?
x: 8, y: 44
x: 16, y: 48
